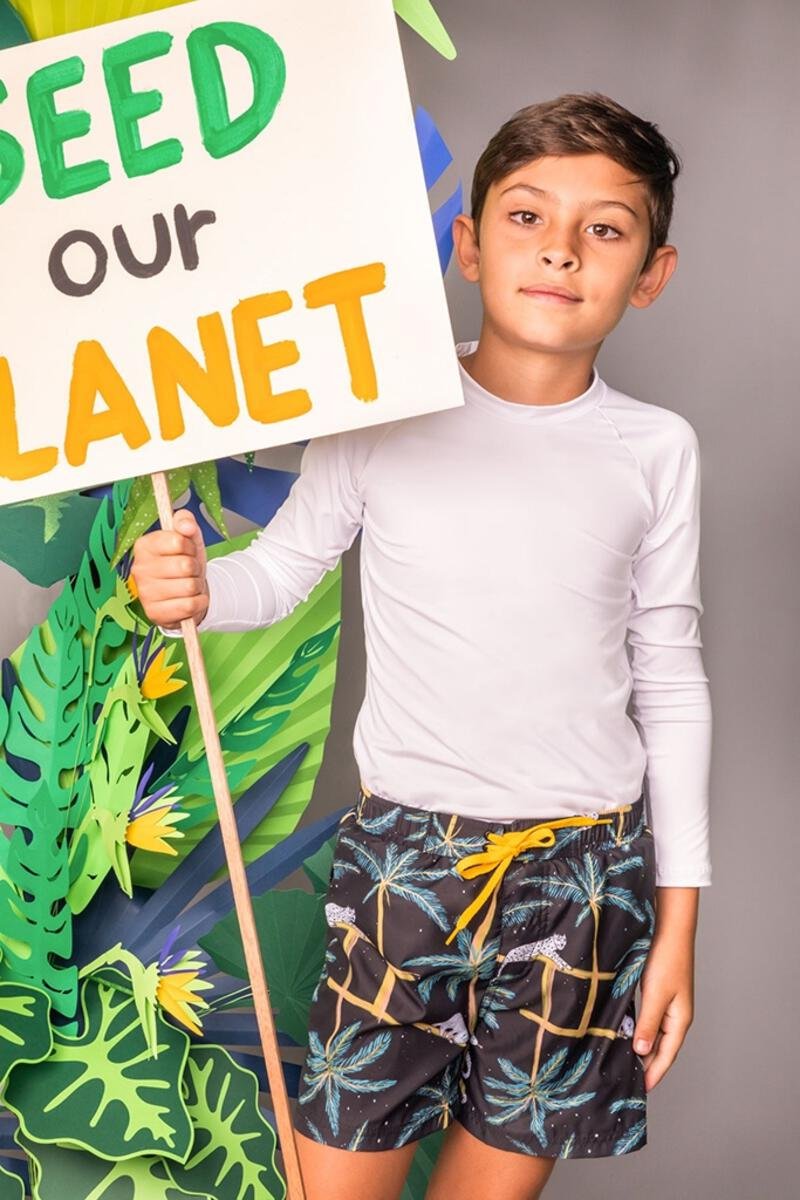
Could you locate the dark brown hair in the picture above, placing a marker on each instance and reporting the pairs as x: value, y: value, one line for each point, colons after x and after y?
x: 584, y: 123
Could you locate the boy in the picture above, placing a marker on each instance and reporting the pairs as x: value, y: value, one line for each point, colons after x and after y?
x: 529, y: 563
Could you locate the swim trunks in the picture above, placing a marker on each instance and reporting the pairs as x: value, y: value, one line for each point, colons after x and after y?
x: 483, y: 972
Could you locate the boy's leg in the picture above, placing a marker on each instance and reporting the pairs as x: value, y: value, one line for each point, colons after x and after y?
x: 333, y: 1174
x: 467, y: 1168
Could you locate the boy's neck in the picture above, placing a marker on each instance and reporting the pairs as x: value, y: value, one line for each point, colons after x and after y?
x: 525, y: 376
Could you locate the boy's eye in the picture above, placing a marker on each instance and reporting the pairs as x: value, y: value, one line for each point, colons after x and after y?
x: 606, y: 233
x: 524, y: 215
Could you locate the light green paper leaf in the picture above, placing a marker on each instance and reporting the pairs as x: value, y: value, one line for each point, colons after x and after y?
x: 142, y: 511
x: 11, y: 1186
x: 25, y: 1035
x: 292, y: 932
x: 423, y: 19
x: 206, y: 484
x: 61, y: 1173
x: 239, y: 666
x: 233, y: 1153
x: 103, y: 1091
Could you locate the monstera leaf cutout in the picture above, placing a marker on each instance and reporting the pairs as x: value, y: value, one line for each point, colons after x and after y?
x: 66, y: 1174
x: 102, y: 1091
x: 11, y: 1186
x: 233, y: 1154
x: 24, y: 1027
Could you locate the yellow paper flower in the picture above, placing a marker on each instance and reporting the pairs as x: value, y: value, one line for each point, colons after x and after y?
x: 150, y: 830
x: 177, y: 994
x: 158, y: 681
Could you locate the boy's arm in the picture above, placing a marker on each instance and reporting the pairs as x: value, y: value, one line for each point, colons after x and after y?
x: 671, y: 704
x: 671, y: 700
x: 317, y: 522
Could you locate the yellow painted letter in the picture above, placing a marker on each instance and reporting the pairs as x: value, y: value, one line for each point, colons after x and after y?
x: 93, y: 372
x: 257, y: 361
x: 345, y: 289
x: 14, y: 465
x: 213, y: 387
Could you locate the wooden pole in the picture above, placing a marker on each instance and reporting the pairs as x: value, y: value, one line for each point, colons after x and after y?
x: 239, y: 885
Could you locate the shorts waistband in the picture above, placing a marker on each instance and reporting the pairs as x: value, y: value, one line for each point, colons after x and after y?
x: 426, y: 826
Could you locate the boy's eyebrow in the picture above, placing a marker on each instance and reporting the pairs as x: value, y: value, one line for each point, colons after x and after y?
x: 528, y: 187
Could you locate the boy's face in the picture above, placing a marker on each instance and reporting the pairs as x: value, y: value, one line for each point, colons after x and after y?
x: 575, y: 222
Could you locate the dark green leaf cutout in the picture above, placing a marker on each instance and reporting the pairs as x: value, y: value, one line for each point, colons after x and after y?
x: 102, y: 1091
x: 10, y: 1186
x: 25, y: 1035
x: 233, y: 1154
x: 65, y: 1174
x: 292, y: 931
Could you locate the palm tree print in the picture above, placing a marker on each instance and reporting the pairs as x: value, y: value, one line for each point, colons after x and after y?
x: 519, y: 1095
x: 441, y: 1100
x: 397, y: 875
x: 632, y: 964
x: 334, y: 1069
x: 470, y: 961
x: 635, y: 1135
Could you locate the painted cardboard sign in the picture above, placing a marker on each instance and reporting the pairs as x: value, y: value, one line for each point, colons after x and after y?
x: 214, y: 237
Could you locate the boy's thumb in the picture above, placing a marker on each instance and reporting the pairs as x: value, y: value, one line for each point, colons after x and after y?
x: 185, y: 523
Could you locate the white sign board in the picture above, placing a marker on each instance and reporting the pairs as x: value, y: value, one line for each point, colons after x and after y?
x: 214, y: 237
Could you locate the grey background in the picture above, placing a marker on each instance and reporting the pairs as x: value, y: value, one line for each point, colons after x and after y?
x: 720, y: 347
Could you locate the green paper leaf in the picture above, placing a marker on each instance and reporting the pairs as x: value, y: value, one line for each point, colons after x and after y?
x: 66, y: 1174
x: 423, y: 19
x: 142, y: 510
x: 241, y: 669
x: 318, y: 866
x: 11, y: 1187
x: 102, y: 1091
x: 206, y: 483
x: 25, y: 1035
x: 233, y: 1153
x: 292, y: 932
x: 35, y: 923
x: 44, y: 539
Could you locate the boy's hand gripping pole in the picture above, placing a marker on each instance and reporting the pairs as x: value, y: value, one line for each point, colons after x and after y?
x: 239, y: 885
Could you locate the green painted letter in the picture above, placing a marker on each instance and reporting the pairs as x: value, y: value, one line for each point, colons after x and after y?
x: 129, y: 107
x: 12, y: 158
x: 51, y: 129
x: 222, y: 136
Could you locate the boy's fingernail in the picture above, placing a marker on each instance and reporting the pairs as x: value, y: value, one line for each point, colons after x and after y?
x: 641, y: 1046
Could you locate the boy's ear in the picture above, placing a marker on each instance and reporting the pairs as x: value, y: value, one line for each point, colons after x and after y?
x: 655, y: 278
x: 466, y: 247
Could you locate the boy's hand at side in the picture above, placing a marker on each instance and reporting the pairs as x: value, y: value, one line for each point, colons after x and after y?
x: 170, y: 572
x: 667, y: 1000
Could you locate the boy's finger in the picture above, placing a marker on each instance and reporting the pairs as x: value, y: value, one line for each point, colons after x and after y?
x: 185, y: 523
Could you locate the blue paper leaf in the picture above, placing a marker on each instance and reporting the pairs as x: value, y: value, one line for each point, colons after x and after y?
x: 145, y: 934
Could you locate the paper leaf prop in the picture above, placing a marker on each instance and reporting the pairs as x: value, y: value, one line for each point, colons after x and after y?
x: 35, y: 923
x: 65, y: 1174
x: 24, y: 1027
x: 45, y: 19
x: 423, y: 19
x: 44, y: 541
x: 422, y: 1164
x: 436, y: 158
x: 238, y: 666
x: 12, y: 29
x: 11, y: 1186
x: 292, y: 932
x: 233, y: 1153
x: 102, y: 1091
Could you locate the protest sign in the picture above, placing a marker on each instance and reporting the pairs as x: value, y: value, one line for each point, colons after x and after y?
x: 215, y: 237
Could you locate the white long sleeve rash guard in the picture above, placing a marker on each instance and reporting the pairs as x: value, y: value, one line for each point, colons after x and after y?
x: 526, y: 571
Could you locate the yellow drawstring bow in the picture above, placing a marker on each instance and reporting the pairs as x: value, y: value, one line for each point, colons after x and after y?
x: 504, y: 847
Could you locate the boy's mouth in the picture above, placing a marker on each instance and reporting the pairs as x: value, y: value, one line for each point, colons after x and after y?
x: 551, y: 292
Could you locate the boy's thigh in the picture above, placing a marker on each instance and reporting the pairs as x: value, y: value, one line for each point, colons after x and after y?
x: 472, y: 1170
x: 330, y: 1173
x: 386, y: 1030
x: 553, y: 1071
